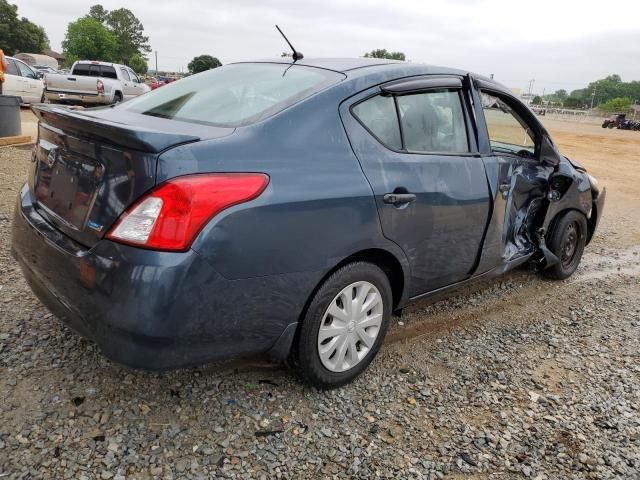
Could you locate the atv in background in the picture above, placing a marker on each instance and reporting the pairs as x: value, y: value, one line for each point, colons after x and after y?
x: 614, y: 120
x: 619, y: 120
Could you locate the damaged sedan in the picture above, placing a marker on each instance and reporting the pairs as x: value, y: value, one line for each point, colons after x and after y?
x: 290, y: 208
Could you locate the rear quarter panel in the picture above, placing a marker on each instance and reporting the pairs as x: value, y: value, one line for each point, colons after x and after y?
x: 318, y: 207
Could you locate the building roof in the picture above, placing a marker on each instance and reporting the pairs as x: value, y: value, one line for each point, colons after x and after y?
x: 37, y: 59
x: 54, y: 54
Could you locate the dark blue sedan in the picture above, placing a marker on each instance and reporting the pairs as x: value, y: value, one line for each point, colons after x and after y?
x: 290, y: 208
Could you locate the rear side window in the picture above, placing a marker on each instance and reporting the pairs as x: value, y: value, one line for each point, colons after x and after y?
x: 125, y: 74
x: 234, y: 95
x: 108, y: 72
x: 428, y: 122
x: 11, y: 67
x: 433, y: 122
x: 378, y: 115
x: 91, y: 70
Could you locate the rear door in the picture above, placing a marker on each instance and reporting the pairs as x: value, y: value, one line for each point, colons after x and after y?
x: 13, y: 84
x: 416, y: 148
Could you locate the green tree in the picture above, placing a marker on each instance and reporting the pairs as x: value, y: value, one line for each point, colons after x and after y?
x: 561, y: 95
x: 573, y: 102
x: 128, y: 30
x: 202, y: 63
x: 99, y: 13
x: 19, y: 34
x: 537, y: 100
x: 138, y: 64
x: 129, y: 33
x: 619, y: 104
x: 88, y: 39
x: 383, y: 53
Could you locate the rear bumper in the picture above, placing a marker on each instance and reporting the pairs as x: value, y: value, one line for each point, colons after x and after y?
x: 153, y: 310
x: 61, y: 97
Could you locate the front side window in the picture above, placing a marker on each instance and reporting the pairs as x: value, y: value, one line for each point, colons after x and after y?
x: 433, y: 122
x: 133, y: 76
x: 508, y: 132
x: 234, y: 95
x: 25, y: 71
x: 378, y: 115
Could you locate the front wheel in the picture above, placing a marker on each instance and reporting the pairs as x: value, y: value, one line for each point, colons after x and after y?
x: 344, y: 326
x: 567, y: 241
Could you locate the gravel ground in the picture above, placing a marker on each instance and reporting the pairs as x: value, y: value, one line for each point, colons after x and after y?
x: 517, y: 378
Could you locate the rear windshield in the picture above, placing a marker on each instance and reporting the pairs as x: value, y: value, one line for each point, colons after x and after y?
x: 233, y: 95
x: 91, y: 70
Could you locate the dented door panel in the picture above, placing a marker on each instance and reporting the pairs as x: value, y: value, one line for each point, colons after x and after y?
x: 519, y: 190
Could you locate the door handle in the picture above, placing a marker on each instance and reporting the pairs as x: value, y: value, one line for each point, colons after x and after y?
x: 398, y: 198
x: 504, y: 189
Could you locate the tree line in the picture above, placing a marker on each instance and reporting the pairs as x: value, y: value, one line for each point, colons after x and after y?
x: 609, y: 94
x: 19, y: 34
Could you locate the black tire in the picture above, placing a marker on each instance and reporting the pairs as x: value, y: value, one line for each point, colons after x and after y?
x: 117, y: 98
x: 304, y: 357
x: 567, y: 240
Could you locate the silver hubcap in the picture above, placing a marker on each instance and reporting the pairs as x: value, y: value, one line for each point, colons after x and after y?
x: 350, y: 326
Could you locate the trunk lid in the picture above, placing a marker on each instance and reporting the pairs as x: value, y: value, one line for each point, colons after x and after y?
x: 89, y: 166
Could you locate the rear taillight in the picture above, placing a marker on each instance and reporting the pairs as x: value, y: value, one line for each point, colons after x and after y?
x: 170, y: 216
x: 100, y: 86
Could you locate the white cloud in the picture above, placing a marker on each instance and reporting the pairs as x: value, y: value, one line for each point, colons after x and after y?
x: 561, y: 44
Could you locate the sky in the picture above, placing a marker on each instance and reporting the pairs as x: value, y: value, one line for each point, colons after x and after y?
x: 558, y: 43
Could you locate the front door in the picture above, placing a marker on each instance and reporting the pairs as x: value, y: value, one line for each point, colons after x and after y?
x: 31, y: 84
x: 518, y: 180
x: 128, y: 89
x: 430, y: 186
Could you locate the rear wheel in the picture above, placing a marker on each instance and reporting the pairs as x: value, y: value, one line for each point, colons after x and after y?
x: 117, y: 98
x: 344, y: 326
x: 567, y: 241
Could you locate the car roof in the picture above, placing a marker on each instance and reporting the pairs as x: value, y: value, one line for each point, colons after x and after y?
x: 361, y: 66
x: 336, y: 64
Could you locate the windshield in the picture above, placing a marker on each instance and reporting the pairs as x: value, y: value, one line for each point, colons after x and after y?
x: 234, y: 95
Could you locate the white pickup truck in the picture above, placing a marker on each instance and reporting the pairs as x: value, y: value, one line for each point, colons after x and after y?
x: 94, y: 83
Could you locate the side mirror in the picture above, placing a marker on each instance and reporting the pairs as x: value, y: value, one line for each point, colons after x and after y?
x: 549, y: 156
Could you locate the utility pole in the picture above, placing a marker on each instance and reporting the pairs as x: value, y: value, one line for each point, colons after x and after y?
x: 531, y: 82
x: 593, y: 96
x: 543, y: 90
x: 156, y: 52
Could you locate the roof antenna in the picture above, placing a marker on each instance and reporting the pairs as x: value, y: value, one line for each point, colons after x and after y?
x: 296, y: 55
